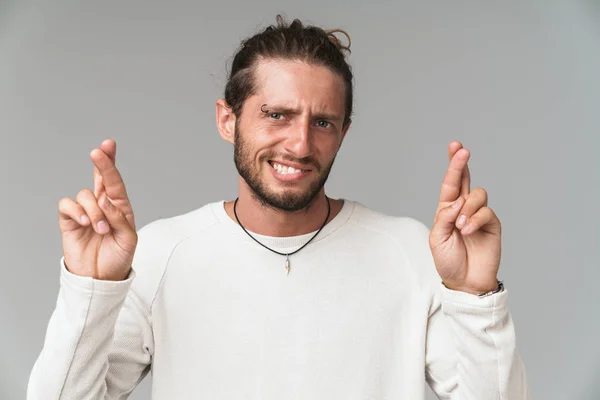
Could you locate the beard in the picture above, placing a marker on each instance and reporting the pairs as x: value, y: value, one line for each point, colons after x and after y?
x: 287, y: 200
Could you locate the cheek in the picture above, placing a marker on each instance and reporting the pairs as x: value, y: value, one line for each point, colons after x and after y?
x: 329, y: 146
x: 270, y: 140
x: 265, y: 148
x: 256, y: 139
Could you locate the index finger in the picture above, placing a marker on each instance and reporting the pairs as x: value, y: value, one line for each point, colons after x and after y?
x: 452, y: 185
x: 110, y: 148
x: 111, y: 177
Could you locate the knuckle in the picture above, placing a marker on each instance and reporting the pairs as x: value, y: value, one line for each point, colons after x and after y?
x: 84, y: 194
x: 477, y: 196
x: 63, y: 203
x: 90, y: 206
x: 449, y: 185
x: 475, y: 218
x: 96, y: 217
x: 483, y: 214
x: 481, y: 193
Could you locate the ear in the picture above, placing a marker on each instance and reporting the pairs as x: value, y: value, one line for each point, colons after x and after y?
x: 225, y: 121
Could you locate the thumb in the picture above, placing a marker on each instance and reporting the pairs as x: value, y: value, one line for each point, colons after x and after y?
x: 116, y: 218
x: 445, y: 221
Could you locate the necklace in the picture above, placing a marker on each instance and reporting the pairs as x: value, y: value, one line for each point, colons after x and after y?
x: 287, y: 255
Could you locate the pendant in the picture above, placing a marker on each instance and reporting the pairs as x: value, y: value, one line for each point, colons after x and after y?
x: 287, y: 264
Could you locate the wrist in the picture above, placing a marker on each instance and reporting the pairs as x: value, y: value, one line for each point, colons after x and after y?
x: 481, y: 291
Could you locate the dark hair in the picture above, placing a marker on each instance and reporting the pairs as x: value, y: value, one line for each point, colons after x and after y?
x: 293, y: 41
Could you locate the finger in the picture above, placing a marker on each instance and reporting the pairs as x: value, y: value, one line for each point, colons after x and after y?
x: 465, y: 187
x: 98, y: 184
x: 484, y: 219
x: 110, y: 148
x: 71, y: 215
x: 475, y: 200
x: 452, y: 185
x: 88, y: 201
x: 112, y: 182
x: 111, y: 177
x: 443, y: 226
x: 116, y: 218
x: 453, y: 147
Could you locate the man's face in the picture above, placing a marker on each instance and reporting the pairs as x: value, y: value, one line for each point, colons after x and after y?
x: 289, y: 132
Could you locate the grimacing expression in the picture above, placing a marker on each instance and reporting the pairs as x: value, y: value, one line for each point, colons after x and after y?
x: 288, y: 133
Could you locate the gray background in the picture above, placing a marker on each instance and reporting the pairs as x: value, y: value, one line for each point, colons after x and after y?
x: 516, y: 81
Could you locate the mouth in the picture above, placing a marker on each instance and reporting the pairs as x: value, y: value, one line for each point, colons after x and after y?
x: 286, y: 172
x: 287, y: 168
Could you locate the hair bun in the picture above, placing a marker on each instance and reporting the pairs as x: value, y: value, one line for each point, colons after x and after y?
x: 335, y: 40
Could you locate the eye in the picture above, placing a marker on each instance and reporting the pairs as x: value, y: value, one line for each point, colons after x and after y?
x: 323, y: 124
x: 275, y: 115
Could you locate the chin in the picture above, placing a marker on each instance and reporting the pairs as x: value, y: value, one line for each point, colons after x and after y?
x: 287, y: 193
x: 287, y: 199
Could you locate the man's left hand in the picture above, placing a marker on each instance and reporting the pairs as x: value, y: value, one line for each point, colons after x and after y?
x: 466, y: 233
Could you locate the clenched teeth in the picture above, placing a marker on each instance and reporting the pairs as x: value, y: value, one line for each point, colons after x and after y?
x: 284, y: 169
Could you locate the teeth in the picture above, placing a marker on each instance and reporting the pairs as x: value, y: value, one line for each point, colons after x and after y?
x: 283, y: 169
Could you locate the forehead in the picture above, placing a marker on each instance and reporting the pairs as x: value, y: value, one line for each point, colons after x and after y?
x: 299, y: 84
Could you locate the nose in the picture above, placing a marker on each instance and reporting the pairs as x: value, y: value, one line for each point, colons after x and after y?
x: 298, y: 142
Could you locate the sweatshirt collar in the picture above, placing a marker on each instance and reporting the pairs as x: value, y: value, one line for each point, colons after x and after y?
x: 283, y: 243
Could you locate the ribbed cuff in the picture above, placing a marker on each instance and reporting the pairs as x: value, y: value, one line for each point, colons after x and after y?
x: 454, y: 301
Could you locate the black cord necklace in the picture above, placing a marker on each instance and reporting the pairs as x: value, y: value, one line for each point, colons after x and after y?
x: 287, y: 255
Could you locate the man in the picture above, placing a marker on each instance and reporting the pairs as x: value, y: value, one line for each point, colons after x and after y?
x: 283, y: 293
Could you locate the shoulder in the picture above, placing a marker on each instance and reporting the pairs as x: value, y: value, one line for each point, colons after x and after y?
x: 156, y: 242
x: 165, y: 233
x: 408, y: 236
x: 403, y: 229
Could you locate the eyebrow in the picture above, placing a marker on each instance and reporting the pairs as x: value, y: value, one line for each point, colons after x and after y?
x: 267, y: 109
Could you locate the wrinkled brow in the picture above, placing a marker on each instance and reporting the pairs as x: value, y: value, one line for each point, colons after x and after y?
x: 267, y: 109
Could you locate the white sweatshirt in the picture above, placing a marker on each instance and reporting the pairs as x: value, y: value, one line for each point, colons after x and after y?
x: 213, y: 315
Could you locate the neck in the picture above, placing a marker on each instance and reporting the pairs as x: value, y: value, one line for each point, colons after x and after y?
x: 265, y: 220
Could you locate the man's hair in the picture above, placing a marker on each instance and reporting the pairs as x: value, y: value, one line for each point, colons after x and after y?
x: 295, y: 42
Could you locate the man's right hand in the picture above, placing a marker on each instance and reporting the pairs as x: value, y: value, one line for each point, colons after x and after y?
x: 98, y: 229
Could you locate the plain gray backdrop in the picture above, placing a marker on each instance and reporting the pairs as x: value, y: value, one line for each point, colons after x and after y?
x: 516, y: 81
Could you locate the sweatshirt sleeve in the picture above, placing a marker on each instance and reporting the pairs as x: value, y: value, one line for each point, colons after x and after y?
x: 471, y: 350
x: 470, y: 345
x: 98, y: 343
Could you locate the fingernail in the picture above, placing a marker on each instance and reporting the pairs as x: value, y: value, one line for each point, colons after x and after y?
x: 461, y: 221
x: 84, y: 219
x: 467, y: 229
x: 102, y: 227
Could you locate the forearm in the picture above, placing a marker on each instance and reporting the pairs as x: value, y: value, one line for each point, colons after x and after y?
x: 488, y: 365
x: 74, y: 360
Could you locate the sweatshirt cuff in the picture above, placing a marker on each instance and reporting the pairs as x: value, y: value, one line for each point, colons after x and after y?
x: 89, y: 284
x: 454, y: 301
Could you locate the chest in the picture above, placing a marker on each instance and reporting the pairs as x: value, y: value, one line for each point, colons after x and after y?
x: 334, y: 318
